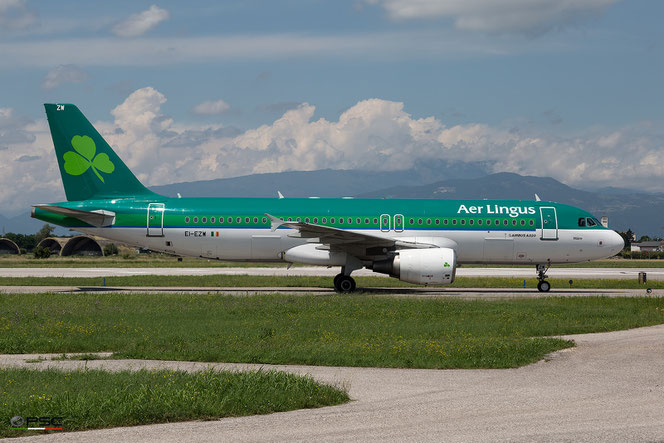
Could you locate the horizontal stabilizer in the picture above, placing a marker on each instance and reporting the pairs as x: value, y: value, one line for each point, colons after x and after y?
x: 97, y: 218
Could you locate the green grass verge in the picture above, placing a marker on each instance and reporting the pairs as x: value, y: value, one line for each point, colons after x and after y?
x: 212, y: 281
x: 330, y: 330
x: 154, y: 260
x: 94, y: 399
x: 159, y: 260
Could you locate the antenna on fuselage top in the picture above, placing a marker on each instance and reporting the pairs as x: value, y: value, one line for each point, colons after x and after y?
x: 179, y: 195
x: 537, y: 199
x: 280, y: 194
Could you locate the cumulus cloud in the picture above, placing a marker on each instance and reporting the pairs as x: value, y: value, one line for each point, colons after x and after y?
x: 64, y: 74
x: 212, y: 107
x: 372, y: 134
x: 141, y: 22
x: 15, y: 15
x: 514, y: 16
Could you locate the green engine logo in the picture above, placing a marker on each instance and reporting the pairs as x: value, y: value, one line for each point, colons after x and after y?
x: 76, y: 163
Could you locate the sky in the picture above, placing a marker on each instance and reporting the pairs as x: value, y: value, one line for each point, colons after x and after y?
x: 185, y: 91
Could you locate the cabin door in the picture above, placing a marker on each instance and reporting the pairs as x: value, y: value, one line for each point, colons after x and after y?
x: 155, y: 220
x: 549, y: 223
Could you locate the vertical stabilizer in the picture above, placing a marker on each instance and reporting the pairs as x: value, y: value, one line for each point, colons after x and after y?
x: 88, y: 166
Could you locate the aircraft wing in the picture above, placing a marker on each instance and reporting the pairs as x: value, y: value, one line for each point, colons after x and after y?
x: 356, y: 243
x: 97, y: 218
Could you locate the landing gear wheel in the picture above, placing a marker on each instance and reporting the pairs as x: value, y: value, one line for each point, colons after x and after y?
x: 543, y: 286
x: 344, y: 283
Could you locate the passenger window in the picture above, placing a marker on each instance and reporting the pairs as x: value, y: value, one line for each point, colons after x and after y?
x: 366, y: 221
x: 186, y: 219
x: 428, y: 221
x: 375, y: 221
x: 350, y: 221
x: 212, y: 220
x: 315, y: 219
x: 412, y: 221
x: 479, y: 222
x: 582, y: 222
x: 247, y: 219
x: 195, y: 219
x: 590, y: 222
x: 255, y: 219
x: 299, y: 220
x: 523, y: 223
x: 264, y: 219
x: 306, y: 219
x: 437, y: 221
x: 532, y: 222
x: 471, y: 221
x: 341, y: 220
x: 221, y: 219
x: 324, y: 220
x: 230, y: 220
x: 332, y: 220
x: 204, y: 220
x: 358, y: 220
x: 419, y: 221
x: 497, y: 222
x: 463, y: 222
x: 513, y: 222
x: 454, y: 221
x: 488, y: 222
x: 445, y: 221
x: 239, y: 219
x: 505, y: 222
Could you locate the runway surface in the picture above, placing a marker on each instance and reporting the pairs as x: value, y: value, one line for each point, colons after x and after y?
x: 475, y: 293
x: 566, y: 273
x: 608, y: 388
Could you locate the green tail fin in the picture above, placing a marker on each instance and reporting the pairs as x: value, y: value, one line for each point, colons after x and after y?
x: 88, y: 165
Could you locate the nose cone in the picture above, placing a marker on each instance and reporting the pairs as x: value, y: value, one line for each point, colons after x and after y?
x: 615, y: 243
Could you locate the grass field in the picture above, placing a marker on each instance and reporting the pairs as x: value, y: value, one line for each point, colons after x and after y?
x: 158, y: 260
x: 94, y: 399
x: 331, y: 330
x: 239, y: 281
x: 154, y: 260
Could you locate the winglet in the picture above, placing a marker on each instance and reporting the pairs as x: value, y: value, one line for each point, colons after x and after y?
x: 275, y: 222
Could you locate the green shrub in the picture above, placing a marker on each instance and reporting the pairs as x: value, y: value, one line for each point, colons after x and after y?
x: 110, y: 249
x: 41, y: 252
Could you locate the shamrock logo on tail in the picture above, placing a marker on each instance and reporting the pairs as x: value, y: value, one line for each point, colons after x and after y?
x: 76, y: 163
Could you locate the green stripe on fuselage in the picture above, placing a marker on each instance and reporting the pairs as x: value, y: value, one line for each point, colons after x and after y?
x: 132, y: 212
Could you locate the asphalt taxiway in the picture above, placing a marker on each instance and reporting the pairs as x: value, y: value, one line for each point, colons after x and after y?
x: 608, y: 388
x: 475, y: 293
x: 566, y: 273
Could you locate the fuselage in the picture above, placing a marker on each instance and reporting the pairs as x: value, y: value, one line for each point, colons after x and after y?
x: 481, y: 231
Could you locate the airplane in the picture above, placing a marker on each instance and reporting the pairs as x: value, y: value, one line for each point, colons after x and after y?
x: 420, y: 241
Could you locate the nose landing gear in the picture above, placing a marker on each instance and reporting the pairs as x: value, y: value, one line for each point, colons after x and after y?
x: 542, y: 285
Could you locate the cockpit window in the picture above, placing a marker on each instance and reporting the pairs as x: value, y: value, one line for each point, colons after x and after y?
x: 590, y: 222
x: 582, y: 222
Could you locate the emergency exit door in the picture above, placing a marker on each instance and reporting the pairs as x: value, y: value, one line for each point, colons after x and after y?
x: 549, y: 223
x: 155, y: 220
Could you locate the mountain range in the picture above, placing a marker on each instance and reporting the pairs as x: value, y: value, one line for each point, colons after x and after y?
x: 627, y: 209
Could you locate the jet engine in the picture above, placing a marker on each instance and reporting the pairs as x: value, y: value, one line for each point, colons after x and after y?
x: 435, y: 266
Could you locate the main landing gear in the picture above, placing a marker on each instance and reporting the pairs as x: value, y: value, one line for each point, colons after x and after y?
x: 344, y: 283
x: 543, y: 285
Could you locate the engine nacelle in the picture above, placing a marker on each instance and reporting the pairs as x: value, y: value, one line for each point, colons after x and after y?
x: 435, y: 266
